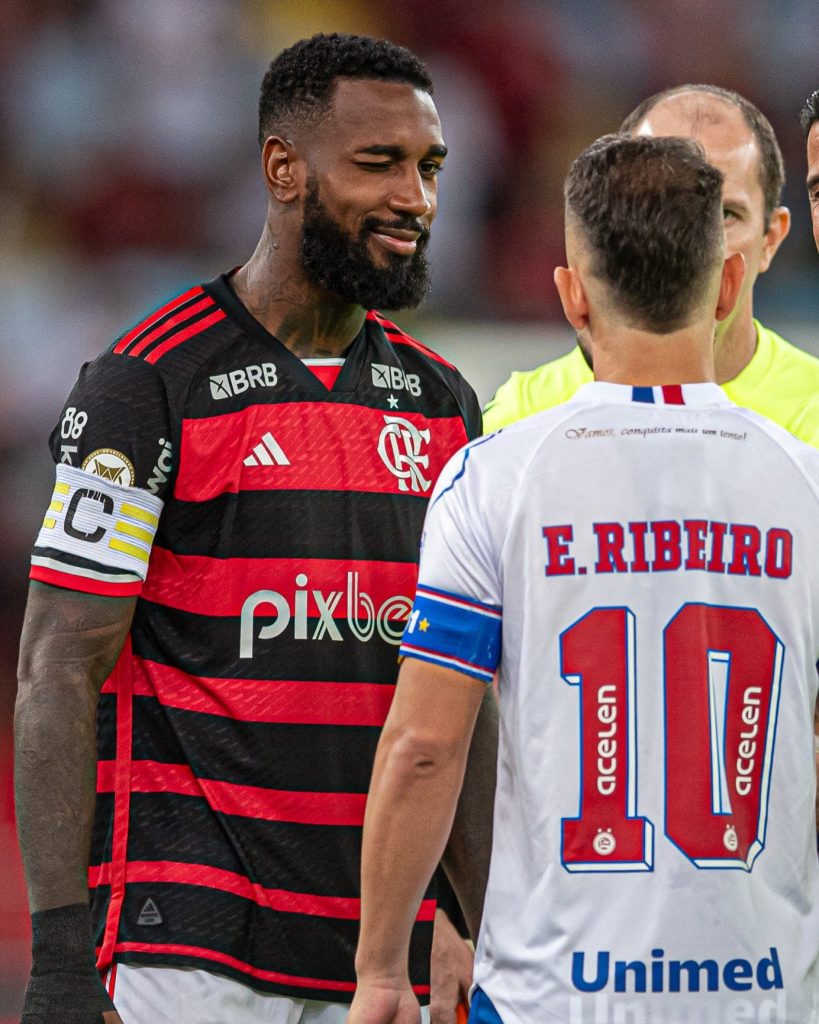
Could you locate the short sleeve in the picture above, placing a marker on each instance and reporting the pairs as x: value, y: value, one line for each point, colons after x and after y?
x: 457, y: 612
x: 114, y: 456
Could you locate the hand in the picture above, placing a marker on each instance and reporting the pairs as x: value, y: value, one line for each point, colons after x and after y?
x: 384, y: 1003
x: 451, y: 971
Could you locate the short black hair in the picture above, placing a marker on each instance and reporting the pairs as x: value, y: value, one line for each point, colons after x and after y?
x: 650, y: 210
x: 810, y: 111
x: 297, y: 88
x: 771, y: 164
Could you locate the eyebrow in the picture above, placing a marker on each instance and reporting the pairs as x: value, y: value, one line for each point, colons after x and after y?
x: 396, y: 152
x: 812, y: 182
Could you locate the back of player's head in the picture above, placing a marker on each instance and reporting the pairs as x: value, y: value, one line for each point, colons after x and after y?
x: 810, y: 111
x: 771, y: 164
x: 649, y: 213
x: 297, y: 89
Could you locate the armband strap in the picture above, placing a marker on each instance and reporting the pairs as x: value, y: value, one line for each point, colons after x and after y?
x: 65, y: 986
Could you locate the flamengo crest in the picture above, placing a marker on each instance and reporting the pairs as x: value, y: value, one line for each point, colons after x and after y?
x: 399, y: 446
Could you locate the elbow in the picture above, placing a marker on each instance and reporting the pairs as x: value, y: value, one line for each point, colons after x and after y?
x: 417, y: 753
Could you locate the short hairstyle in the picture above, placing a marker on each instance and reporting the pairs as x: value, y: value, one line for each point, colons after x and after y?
x: 771, y: 164
x: 810, y: 111
x: 297, y: 88
x: 650, y: 211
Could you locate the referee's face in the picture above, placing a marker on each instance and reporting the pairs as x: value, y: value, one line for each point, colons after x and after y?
x: 730, y: 146
x: 813, y: 178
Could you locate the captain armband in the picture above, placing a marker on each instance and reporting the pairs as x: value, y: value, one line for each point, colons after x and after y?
x: 96, y: 535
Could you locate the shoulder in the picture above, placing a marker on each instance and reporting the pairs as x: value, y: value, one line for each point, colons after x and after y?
x: 531, y: 391
x: 803, y: 456
x: 399, y: 338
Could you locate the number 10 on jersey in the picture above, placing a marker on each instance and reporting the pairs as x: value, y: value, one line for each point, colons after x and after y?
x: 722, y: 670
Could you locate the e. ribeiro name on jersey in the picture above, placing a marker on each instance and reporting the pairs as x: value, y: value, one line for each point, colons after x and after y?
x: 639, y: 567
x: 269, y: 524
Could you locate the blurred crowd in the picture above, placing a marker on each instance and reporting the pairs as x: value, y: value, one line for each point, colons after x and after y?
x: 129, y: 169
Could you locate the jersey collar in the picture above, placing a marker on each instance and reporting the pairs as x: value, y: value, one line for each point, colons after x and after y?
x: 702, y: 394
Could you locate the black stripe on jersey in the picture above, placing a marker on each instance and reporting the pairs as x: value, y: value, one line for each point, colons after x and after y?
x: 161, y: 324
x: 322, y: 947
x: 377, y: 527
x: 101, y: 833
x: 308, y: 758
x: 174, y: 637
x: 319, y: 859
x: 70, y: 559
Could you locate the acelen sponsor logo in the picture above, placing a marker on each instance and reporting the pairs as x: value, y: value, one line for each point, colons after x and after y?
x: 361, y: 622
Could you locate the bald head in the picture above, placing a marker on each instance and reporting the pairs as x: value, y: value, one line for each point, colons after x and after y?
x: 700, y: 111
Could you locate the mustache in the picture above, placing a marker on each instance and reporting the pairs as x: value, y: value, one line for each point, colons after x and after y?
x: 401, y: 224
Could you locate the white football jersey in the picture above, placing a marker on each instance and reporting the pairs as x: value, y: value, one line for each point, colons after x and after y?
x: 641, y: 565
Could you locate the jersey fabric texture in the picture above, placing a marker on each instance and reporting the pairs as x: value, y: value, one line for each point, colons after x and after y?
x: 237, y: 732
x: 780, y: 382
x: 650, y: 555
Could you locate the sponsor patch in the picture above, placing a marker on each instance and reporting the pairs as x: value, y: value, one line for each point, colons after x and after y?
x: 111, y: 465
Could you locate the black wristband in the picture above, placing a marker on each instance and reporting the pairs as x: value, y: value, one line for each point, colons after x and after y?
x: 65, y: 985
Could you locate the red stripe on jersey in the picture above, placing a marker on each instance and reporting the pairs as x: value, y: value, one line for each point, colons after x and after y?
x: 180, y: 318
x: 217, y: 956
x: 324, y: 446
x: 264, y: 700
x: 327, y: 374
x: 220, y: 586
x: 397, y: 337
x: 673, y: 394
x: 169, y: 307
x: 346, y: 908
x: 243, y: 801
x: 84, y: 584
x: 189, y: 332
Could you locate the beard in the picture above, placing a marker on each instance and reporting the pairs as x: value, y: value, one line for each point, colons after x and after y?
x: 338, y: 262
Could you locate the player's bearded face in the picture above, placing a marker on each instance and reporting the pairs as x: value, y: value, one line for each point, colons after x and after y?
x: 342, y: 263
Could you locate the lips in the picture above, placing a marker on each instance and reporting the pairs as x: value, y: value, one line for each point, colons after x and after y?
x: 397, y: 240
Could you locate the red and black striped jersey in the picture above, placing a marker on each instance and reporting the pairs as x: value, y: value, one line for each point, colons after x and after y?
x: 271, y: 529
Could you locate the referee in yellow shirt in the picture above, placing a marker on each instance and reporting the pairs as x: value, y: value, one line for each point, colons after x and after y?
x: 756, y: 367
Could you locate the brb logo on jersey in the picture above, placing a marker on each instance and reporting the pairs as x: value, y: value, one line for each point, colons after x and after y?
x: 362, y: 619
x: 394, y: 379
x: 226, y: 385
x: 399, y: 446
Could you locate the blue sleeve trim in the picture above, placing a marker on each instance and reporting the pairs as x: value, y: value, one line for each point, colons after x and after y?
x: 453, y: 631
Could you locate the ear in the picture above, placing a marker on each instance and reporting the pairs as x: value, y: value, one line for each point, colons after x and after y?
x: 280, y: 167
x: 733, y: 271
x: 775, y: 235
x: 572, y: 297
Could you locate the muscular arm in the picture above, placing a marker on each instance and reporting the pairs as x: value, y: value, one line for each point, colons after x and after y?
x: 69, y: 645
x: 466, y: 857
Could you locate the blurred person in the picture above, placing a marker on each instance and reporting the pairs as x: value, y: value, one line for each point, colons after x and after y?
x: 279, y: 439
x: 810, y: 122
x: 756, y: 367
x: 640, y: 567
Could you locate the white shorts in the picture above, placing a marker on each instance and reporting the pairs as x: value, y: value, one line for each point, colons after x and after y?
x: 185, y: 995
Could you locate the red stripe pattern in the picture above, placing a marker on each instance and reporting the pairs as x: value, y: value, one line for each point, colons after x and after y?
x: 169, y: 326
x: 239, y: 885
x: 673, y: 394
x: 293, y: 702
x: 329, y: 447
x: 84, y: 583
x: 242, y: 801
x: 397, y: 337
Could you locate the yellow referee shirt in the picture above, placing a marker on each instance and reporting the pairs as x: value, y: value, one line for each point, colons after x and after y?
x: 780, y: 382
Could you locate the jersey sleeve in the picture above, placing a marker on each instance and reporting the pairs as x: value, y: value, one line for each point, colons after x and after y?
x: 113, y: 450
x: 456, y: 616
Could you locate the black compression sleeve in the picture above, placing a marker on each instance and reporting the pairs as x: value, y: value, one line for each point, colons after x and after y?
x: 65, y: 986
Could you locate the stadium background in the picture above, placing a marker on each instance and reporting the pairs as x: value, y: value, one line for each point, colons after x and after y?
x: 128, y: 169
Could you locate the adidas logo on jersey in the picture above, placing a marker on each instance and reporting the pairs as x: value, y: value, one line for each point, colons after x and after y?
x: 268, y: 452
x: 226, y: 385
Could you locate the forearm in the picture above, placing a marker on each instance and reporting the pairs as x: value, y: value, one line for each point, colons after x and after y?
x: 469, y: 848
x: 409, y: 815
x: 70, y: 642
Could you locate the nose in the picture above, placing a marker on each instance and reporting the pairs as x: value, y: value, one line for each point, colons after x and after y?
x: 415, y: 195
